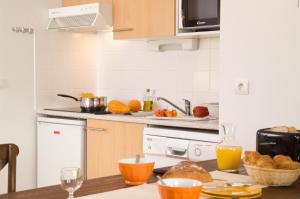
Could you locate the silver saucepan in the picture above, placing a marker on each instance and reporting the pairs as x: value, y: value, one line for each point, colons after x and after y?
x: 86, y: 103
x: 100, y: 103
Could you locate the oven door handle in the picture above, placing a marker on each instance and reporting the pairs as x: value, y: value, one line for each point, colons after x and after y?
x: 179, y: 152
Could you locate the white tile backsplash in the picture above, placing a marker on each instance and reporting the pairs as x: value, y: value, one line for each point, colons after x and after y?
x: 215, y: 43
x: 215, y: 58
x: 214, y: 80
x: 65, y: 63
x: 203, y: 59
x: 205, y: 44
x: 127, y: 68
x: 72, y: 63
x: 201, y: 81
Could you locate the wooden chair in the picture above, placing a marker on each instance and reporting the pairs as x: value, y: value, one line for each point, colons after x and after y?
x: 8, y: 155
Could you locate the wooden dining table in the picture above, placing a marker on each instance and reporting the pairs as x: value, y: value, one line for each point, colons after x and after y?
x: 100, y: 185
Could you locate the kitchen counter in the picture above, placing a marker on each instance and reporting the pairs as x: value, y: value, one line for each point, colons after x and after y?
x: 207, y: 125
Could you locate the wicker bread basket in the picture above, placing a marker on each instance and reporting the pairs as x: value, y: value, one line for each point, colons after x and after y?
x: 272, y: 177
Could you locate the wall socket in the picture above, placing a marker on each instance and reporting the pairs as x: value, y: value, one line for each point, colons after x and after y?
x: 242, y: 86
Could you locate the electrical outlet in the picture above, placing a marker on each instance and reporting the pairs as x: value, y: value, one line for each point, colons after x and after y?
x: 242, y: 87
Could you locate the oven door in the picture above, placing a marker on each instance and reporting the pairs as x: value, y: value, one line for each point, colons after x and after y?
x: 199, y: 14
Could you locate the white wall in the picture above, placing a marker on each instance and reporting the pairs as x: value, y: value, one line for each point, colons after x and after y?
x: 17, y: 97
x: 260, y: 41
x: 127, y: 68
x: 65, y: 63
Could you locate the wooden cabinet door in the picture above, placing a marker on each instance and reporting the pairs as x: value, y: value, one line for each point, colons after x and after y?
x: 124, y: 18
x: 78, y: 2
x: 143, y: 18
x: 108, y: 142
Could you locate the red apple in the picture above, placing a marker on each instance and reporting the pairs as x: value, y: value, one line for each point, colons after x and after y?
x: 200, y: 111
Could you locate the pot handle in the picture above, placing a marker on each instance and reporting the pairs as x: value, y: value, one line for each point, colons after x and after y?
x: 68, y: 96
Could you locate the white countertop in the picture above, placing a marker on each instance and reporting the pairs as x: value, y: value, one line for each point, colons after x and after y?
x: 207, y: 124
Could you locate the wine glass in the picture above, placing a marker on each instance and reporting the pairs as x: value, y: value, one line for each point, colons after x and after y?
x: 71, y: 180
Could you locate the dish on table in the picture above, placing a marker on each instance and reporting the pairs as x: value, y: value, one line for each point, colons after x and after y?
x: 234, y: 191
x: 230, y: 197
x: 211, y: 187
x: 136, y: 171
x: 179, y: 188
x: 278, y: 171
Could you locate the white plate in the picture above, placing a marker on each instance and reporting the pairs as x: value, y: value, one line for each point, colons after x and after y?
x: 141, y: 114
x: 183, y: 118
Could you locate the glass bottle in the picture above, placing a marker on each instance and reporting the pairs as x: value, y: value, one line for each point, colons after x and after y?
x: 148, y: 101
x: 228, y: 151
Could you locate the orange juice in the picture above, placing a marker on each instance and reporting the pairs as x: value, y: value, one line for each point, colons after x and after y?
x: 229, y: 157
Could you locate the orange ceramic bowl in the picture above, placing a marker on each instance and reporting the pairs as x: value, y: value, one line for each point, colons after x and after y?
x: 136, y: 173
x: 180, y: 188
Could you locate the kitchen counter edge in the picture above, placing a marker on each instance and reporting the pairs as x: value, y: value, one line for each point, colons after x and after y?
x: 207, y: 125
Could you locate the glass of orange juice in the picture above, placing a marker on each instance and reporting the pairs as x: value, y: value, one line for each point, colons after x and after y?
x: 228, y: 151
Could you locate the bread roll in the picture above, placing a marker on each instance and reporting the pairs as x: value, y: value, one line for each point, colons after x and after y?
x: 282, y: 129
x: 279, y: 158
x: 289, y: 165
x: 251, y: 157
x: 265, y: 161
x: 285, y: 162
x: 292, y: 130
x: 187, y: 169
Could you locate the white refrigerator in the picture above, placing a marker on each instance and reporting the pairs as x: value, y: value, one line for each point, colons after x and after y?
x: 60, y: 143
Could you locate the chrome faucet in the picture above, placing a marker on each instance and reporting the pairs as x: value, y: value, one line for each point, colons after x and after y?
x: 187, y: 110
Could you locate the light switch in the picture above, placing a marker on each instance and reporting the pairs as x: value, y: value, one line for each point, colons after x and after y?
x: 242, y: 87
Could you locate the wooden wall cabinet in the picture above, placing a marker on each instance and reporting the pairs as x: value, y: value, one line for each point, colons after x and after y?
x: 134, y: 19
x: 144, y: 18
x: 108, y: 142
x: 78, y: 2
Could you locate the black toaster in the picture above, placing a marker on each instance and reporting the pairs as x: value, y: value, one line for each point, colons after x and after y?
x: 274, y: 143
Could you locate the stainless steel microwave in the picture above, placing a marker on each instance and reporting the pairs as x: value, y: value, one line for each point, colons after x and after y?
x: 199, y: 15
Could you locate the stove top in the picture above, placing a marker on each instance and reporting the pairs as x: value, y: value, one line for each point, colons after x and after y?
x: 73, y: 110
x: 77, y: 110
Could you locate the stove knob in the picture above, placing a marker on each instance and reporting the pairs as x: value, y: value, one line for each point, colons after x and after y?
x: 198, y: 152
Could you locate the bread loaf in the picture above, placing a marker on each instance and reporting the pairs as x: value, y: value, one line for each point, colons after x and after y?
x: 188, y: 169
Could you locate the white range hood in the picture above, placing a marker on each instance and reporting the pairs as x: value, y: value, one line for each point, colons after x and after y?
x: 87, y: 17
